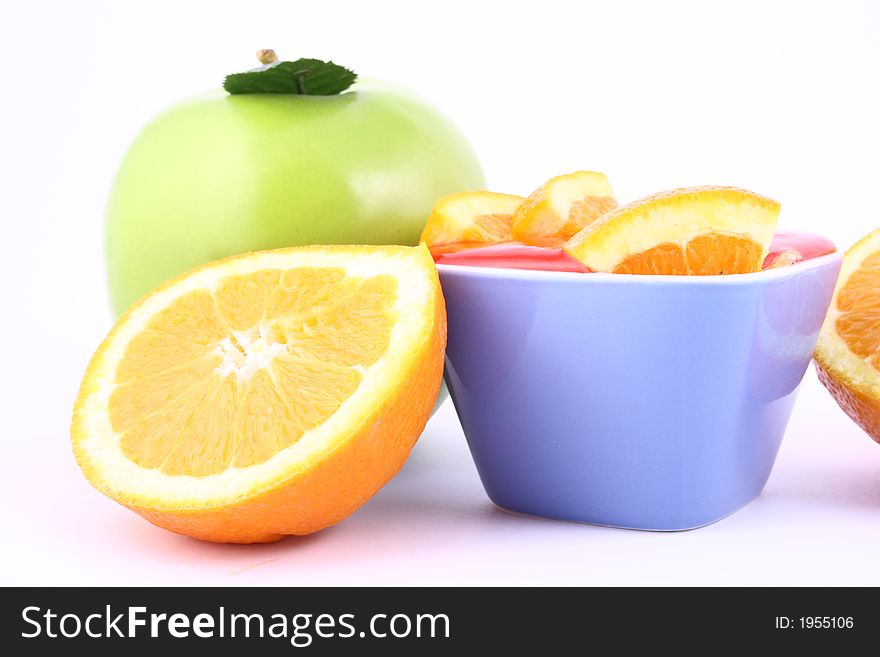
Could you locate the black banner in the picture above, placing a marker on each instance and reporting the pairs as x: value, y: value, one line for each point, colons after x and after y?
x: 279, y: 621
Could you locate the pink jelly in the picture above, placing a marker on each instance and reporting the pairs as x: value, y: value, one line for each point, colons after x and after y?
x: 787, y: 248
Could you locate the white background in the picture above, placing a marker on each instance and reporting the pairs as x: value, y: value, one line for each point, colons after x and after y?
x: 778, y: 97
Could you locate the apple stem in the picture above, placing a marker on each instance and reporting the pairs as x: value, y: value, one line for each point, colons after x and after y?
x: 267, y: 56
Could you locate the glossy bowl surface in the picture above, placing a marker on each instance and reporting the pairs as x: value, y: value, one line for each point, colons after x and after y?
x: 645, y: 402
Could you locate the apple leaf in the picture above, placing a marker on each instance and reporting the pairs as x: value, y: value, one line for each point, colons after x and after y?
x: 311, y: 77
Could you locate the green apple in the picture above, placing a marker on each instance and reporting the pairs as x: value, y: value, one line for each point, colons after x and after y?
x: 222, y: 174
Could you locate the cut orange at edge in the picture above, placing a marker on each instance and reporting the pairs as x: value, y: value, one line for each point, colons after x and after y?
x: 266, y: 394
x: 847, y: 354
x: 707, y: 230
x: 470, y: 218
x: 561, y: 207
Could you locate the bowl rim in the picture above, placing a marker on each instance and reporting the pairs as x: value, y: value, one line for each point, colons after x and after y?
x: 592, y: 278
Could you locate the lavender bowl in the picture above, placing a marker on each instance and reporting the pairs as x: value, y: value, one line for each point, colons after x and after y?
x: 644, y: 402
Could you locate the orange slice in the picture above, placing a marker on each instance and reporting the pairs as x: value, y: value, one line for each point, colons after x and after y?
x: 695, y: 231
x: 470, y: 218
x: 266, y: 394
x: 848, y: 352
x: 561, y: 207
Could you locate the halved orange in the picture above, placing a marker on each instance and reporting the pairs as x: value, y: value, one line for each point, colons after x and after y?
x: 470, y: 218
x: 693, y: 231
x: 848, y: 351
x: 561, y: 207
x: 266, y: 394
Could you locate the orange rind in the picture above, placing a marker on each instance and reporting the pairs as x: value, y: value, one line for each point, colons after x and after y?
x: 266, y: 394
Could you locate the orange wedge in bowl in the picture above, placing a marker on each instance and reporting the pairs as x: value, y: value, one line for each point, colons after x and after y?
x: 470, y: 218
x: 848, y: 351
x: 265, y: 394
x: 561, y: 207
x: 693, y: 231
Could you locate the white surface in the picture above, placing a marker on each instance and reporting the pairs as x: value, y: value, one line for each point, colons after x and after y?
x: 777, y: 97
x: 816, y: 523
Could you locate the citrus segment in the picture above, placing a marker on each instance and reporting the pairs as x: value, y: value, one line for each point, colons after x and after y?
x: 471, y: 217
x: 221, y: 401
x: 695, y: 231
x: 711, y: 253
x: 848, y: 351
x: 561, y: 207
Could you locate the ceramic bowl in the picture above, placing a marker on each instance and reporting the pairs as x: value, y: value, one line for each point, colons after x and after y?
x: 644, y: 402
